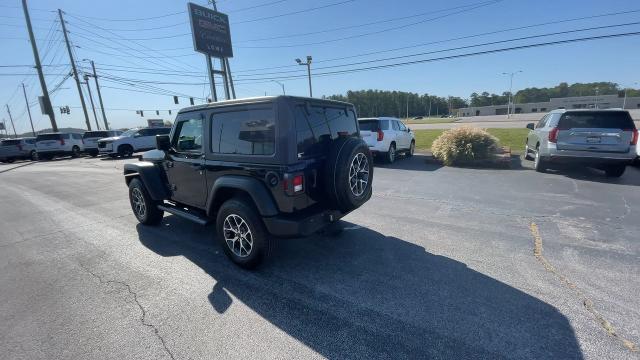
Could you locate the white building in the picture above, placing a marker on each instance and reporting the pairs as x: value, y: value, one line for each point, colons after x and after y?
x: 576, y: 102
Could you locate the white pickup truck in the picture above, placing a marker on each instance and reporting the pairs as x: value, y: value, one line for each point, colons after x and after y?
x: 386, y: 137
x: 131, y: 141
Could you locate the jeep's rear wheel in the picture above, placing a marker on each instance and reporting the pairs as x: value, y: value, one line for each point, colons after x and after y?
x: 349, y: 173
x: 242, y: 234
x: 144, y: 208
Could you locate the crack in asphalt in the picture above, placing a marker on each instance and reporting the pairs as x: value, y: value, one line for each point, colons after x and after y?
x: 586, y: 302
x: 143, y: 316
x: 627, y: 209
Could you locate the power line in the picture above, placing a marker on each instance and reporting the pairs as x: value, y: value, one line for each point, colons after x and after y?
x: 463, y: 47
x: 294, y: 12
x: 451, y: 57
x: 553, y: 22
x: 360, y: 25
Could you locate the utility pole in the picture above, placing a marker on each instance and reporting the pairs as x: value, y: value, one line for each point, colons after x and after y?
x: 86, y: 81
x: 596, y: 100
x: 308, y: 64
x: 12, y: 125
x: 28, y: 110
x: 429, y: 105
x: 75, y: 71
x: 510, y: 89
x: 36, y: 57
x: 95, y: 77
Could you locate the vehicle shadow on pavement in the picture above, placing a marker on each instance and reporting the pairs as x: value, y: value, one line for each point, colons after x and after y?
x: 366, y: 295
x: 418, y: 162
x: 630, y: 177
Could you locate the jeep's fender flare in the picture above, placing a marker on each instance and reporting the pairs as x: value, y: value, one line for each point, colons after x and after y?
x: 254, y: 188
x: 151, y: 176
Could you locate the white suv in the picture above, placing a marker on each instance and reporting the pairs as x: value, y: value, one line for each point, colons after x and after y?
x: 131, y: 141
x: 387, y: 136
x: 90, y: 139
x: 51, y: 145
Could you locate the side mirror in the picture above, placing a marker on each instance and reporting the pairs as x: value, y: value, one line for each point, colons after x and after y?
x: 408, y: 129
x: 163, y: 142
x: 531, y: 126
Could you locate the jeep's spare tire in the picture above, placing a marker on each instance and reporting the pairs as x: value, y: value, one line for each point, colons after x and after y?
x: 349, y: 173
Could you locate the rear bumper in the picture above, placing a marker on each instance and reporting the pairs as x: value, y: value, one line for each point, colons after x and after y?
x: 299, y: 226
x: 588, y: 157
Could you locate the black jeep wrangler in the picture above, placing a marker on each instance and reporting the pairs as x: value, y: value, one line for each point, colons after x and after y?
x: 272, y: 166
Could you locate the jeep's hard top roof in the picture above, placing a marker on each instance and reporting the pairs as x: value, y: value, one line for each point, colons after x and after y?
x: 260, y: 99
x: 561, y: 111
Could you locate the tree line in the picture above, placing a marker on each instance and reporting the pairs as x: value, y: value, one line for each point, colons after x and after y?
x: 406, y: 104
x: 399, y: 103
x: 563, y: 89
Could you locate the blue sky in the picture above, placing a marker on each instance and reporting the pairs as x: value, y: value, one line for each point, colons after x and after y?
x: 606, y: 60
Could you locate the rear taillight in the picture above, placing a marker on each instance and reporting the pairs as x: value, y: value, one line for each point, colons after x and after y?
x: 293, y: 185
x: 61, y: 141
x: 553, y: 135
x: 380, y: 135
x: 297, y: 183
x: 634, y: 136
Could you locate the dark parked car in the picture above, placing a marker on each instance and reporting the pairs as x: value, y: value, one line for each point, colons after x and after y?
x: 274, y: 166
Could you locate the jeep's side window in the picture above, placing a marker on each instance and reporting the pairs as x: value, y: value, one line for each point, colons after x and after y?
x: 188, y: 136
x: 244, y: 132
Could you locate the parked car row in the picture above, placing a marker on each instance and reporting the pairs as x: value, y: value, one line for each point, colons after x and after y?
x: 110, y: 142
x: 603, y: 139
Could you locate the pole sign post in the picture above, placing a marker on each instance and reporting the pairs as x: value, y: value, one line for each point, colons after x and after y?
x: 210, y: 30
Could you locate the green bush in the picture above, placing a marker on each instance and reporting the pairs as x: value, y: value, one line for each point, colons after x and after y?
x: 464, y: 144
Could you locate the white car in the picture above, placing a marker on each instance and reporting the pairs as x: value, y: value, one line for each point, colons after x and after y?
x: 90, y: 139
x: 387, y: 136
x: 51, y: 145
x: 131, y: 141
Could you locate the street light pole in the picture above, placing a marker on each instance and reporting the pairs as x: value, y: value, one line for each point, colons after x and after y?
x: 281, y: 84
x: 93, y: 107
x: 308, y: 64
x: 596, y: 100
x: 511, y: 74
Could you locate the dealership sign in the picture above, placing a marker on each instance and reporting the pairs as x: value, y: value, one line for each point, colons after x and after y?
x: 210, y: 30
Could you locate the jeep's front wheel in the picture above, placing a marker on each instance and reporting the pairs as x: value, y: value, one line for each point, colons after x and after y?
x: 242, y: 234
x: 144, y: 208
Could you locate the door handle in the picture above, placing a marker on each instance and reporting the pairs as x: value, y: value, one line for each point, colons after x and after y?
x: 197, y: 166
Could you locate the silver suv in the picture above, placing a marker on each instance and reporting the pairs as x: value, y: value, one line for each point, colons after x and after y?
x: 604, y: 139
x: 17, y: 149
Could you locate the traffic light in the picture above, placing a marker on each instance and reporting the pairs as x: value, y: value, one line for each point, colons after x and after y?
x: 175, y: 100
x: 65, y: 110
x: 140, y: 112
x: 191, y: 100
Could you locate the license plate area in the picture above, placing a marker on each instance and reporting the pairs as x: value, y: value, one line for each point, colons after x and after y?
x: 594, y: 139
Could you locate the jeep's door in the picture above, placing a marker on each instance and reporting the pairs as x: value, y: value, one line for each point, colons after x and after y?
x: 185, y: 167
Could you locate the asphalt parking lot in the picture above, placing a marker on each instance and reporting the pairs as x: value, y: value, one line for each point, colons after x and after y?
x: 441, y: 263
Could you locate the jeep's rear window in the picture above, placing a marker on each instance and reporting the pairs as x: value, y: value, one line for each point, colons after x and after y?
x: 595, y: 119
x: 316, y: 126
x: 95, y: 134
x: 48, y: 137
x: 244, y: 132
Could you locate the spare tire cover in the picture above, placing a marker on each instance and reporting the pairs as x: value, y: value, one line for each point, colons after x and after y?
x: 349, y: 173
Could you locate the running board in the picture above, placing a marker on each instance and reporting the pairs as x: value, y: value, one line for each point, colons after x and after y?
x: 185, y: 214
